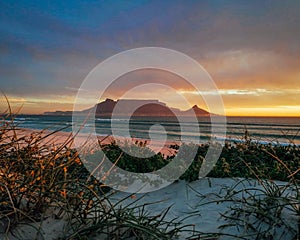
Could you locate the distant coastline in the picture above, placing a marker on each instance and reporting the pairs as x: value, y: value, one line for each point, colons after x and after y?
x: 123, y: 107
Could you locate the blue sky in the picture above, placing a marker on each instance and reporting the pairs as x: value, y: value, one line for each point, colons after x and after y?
x: 48, y: 47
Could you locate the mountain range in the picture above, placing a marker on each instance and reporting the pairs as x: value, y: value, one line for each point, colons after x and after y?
x: 123, y: 107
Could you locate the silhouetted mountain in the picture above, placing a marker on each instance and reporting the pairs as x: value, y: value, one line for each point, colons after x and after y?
x: 195, y: 110
x: 125, y: 107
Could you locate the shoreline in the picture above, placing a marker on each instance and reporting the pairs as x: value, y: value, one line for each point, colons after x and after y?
x: 155, y: 145
x: 56, y: 138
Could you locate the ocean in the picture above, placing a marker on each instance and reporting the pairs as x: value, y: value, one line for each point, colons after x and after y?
x: 282, y: 130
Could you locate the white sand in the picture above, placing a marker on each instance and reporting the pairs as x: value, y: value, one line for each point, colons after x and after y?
x: 186, y: 199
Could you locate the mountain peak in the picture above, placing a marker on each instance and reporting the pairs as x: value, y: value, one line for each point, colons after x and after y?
x: 150, y: 107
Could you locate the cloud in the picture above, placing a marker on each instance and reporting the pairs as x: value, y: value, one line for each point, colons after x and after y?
x: 48, y: 49
x: 254, y: 92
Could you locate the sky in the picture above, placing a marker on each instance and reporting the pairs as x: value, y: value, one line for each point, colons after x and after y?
x: 251, y: 49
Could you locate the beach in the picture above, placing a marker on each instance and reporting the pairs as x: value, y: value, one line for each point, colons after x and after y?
x: 59, y: 137
x: 202, y: 207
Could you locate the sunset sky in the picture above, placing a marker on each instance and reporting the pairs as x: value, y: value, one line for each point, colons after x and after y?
x: 251, y: 49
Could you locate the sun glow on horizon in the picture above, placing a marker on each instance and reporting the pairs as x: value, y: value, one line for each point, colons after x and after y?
x: 39, y: 106
x: 279, y: 111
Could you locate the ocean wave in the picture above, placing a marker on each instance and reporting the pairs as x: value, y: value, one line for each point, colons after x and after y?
x: 113, y: 119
